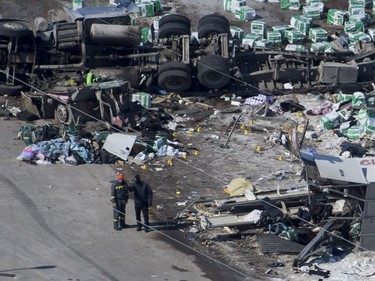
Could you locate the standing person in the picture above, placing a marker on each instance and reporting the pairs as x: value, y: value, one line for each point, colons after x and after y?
x: 119, y: 198
x: 142, y: 201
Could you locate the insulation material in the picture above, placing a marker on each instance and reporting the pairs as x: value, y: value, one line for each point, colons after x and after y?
x: 295, y: 48
x: 238, y: 186
x: 311, y: 12
x: 274, y: 37
x: 290, y: 4
x: 263, y: 44
x: 336, y: 17
x: 237, y: 4
x: 249, y: 39
x: 236, y: 31
x: 294, y: 37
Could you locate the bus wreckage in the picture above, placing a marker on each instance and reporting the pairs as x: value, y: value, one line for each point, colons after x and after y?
x: 59, y: 64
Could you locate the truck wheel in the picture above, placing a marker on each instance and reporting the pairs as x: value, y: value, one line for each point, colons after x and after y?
x: 10, y: 90
x: 213, y: 71
x: 14, y: 29
x: 175, y: 18
x: 213, y: 24
x: 174, y: 65
x: 174, y: 80
x: 212, y: 18
x: 63, y: 114
x: 173, y: 29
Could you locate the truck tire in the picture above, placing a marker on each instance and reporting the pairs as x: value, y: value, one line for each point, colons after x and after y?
x: 213, y: 29
x: 174, y: 80
x: 213, y: 24
x: 213, y: 18
x: 174, y: 65
x: 10, y: 90
x: 14, y: 29
x: 173, y: 29
x: 63, y: 114
x: 213, y: 72
x: 175, y: 18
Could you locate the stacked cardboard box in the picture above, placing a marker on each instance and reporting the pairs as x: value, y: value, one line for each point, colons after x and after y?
x: 290, y: 4
x: 258, y: 27
x: 336, y: 17
x: 294, y: 37
x: 311, y: 12
x: 274, y: 37
x: 358, y: 36
x: 356, y: 9
x: 235, y: 4
x: 145, y: 34
x: 227, y: 5
x: 318, y: 34
x: 301, y: 24
x: 262, y: 44
x: 282, y: 29
x: 354, y: 26
x: 245, y: 13
x: 236, y: 31
x: 318, y: 5
x: 319, y: 46
x: 295, y: 48
x: 365, y: 18
x: 371, y: 32
x: 146, y: 9
x: 249, y: 39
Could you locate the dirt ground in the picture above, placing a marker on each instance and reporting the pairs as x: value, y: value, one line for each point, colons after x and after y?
x: 203, y: 175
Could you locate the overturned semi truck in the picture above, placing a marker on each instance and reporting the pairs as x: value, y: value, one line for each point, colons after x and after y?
x: 103, y: 42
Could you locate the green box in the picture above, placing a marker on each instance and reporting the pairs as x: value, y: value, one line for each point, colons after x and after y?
x: 359, y: 99
x: 249, y: 39
x: 236, y: 31
x: 356, y: 9
x: 158, y: 5
x: 311, y: 12
x: 274, y: 37
x: 258, y: 27
x: 330, y: 120
x: 145, y: 34
x: 319, y: 46
x: 313, y: 1
x: 295, y: 48
x: 354, y: 26
x: 227, y: 5
x: 294, y: 37
x: 371, y: 32
x: 341, y: 97
x: 290, y: 4
x: 262, y: 44
x: 357, y: 2
x: 318, y: 34
x: 146, y: 10
x: 365, y: 18
x: 336, y: 17
x: 318, y: 5
x: 355, y: 132
x: 245, y: 13
x: 359, y: 36
x: 282, y: 29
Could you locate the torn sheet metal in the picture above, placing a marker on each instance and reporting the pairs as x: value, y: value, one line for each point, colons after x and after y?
x: 271, y: 243
x: 225, y: 220
x: 119, y: 145
x: 357, y: 170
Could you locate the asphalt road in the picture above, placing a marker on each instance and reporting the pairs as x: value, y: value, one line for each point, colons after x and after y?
x: 56, y: 224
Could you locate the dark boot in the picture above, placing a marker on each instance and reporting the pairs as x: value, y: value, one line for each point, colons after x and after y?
x: 123, y: 224
x: 116, y: 226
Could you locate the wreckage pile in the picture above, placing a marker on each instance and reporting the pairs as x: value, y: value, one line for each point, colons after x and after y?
x: 305, y: 214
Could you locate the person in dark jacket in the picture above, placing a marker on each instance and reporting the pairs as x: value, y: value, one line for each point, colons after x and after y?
x: 119, y: 198
x: 142, y: 201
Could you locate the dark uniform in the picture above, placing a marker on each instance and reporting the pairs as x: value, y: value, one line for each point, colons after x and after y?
x: 142, y: 201
x: 119, y: 198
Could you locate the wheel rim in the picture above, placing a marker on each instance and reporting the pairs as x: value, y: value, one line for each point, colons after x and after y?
x: 61, y: 113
